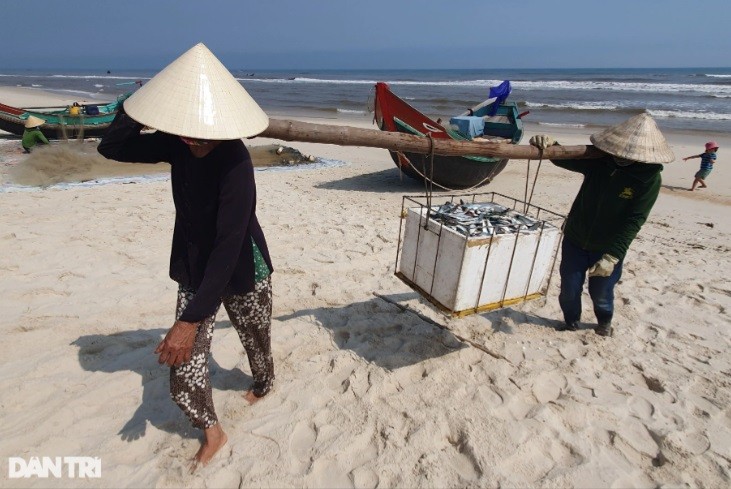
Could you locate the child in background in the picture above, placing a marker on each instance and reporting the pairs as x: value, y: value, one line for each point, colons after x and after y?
x: 707, y: 160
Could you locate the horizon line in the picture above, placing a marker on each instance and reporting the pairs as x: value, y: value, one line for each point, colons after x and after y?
x: 394, y: 69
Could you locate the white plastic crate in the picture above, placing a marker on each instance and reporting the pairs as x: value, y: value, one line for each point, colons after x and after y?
x: 464, y: 275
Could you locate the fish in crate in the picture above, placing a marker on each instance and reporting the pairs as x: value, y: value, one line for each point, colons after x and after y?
x: 478, y: 253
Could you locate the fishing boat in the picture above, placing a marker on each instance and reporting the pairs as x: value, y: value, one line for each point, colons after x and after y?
x: 493, y: 120
x: 84, y: 121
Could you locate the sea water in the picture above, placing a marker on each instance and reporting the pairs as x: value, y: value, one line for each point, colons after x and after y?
x: 681, y: 99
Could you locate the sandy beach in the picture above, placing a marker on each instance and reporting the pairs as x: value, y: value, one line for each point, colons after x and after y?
x: 367, y: 395
x: 31, y: 97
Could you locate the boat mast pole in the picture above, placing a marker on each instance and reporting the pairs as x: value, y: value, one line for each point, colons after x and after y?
x: 289, y: 130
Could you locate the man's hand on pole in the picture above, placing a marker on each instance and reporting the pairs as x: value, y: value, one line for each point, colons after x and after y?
x: 542, y: 141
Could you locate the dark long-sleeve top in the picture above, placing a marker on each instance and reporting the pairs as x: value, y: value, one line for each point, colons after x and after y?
x: 612, y: 205
x: 215, y: 212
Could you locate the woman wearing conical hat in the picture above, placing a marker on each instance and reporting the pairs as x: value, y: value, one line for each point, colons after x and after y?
x: 219, y: 254
x: 613, y: 203
x: 32, y: 134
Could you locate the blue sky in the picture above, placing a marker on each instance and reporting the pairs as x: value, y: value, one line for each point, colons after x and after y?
x: 332, y: 34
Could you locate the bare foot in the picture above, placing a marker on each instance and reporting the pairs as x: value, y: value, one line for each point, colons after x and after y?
x: 251, y: 398
x: 703, y: 186
x: 215, y: 439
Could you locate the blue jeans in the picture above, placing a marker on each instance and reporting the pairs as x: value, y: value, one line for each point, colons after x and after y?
x: 575, y: 261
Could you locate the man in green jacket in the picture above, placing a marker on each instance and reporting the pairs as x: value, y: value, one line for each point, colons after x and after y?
x: 613, y: 203
x: 32, y: 133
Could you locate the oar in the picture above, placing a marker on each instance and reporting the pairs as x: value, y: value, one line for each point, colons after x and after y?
x: 288, y: 130
x: 479, y: 106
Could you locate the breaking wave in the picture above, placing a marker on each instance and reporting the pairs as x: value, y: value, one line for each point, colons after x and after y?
x: 679, y: 114
x: 641, y: 87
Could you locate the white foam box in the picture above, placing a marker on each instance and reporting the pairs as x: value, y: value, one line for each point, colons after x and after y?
x: 467, y: 275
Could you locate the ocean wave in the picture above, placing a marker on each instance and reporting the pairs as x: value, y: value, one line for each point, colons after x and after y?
x: 576, y: 106
x: 77, y: 77
x: 559, y: 124
x: 677, y: 114
x: 641, y: 87
x: 597, y: 84
x: 328, y: 81
x: 310, y: 80
x: 351, y: 111
x: 663, y: 114
x: 80, y: 92
x: 101, y: 77
x: 623, y: 87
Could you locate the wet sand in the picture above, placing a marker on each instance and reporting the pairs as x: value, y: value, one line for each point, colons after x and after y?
x: 78, y: 162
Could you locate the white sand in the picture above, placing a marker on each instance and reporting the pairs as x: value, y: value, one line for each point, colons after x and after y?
x: 367, y: 395
x: 34, y: 97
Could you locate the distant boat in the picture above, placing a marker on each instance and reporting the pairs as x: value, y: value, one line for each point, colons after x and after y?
x: 92, y: 120
x: 494, y: 120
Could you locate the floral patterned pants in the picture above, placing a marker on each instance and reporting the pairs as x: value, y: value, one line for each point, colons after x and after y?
x: 250, y: 315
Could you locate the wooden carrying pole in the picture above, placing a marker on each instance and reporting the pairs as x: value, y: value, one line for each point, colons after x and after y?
x: 288, y: 130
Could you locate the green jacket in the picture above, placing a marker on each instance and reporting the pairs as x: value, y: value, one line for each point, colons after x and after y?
x: 33, y: 136
x: 612, y: 204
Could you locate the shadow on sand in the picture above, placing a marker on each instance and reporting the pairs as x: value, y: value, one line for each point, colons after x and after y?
x: 381, y: 333
x: 390, y: 180
x: 134, y: 351
x: 675, y: 188
x: 501, y: 317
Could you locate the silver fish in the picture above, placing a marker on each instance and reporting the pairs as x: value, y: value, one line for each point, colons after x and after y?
x: 483, y: 219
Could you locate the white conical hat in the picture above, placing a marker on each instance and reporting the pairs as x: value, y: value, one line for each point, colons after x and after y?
x: 636, y: 139
x: 195, y: 96
x: 33, y: 121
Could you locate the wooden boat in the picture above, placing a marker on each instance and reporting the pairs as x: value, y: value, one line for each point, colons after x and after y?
x: 91, y: 122
x: 498, y: 121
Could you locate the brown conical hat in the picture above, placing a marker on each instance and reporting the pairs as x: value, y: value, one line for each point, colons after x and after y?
x: 197, y: 97
x: 637, y: 139
x: 33, y: 121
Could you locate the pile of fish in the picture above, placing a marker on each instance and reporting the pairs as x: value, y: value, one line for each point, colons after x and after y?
x: 483, y: 220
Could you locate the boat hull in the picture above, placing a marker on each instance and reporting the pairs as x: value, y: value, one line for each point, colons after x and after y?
x: 55, y: 131
x: 59, y: 123
x: 450, y: 172
x: 447, y: 172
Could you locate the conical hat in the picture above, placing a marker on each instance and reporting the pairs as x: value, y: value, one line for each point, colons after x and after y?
x: 33, y: 121
x: 195, y: 96
x: 637, y: 139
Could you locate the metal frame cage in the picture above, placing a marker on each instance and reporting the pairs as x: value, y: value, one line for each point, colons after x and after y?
x: 547, y: 239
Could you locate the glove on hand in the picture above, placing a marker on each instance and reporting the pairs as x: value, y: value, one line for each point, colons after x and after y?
x: 541, y: 141
x: 604, y: 267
